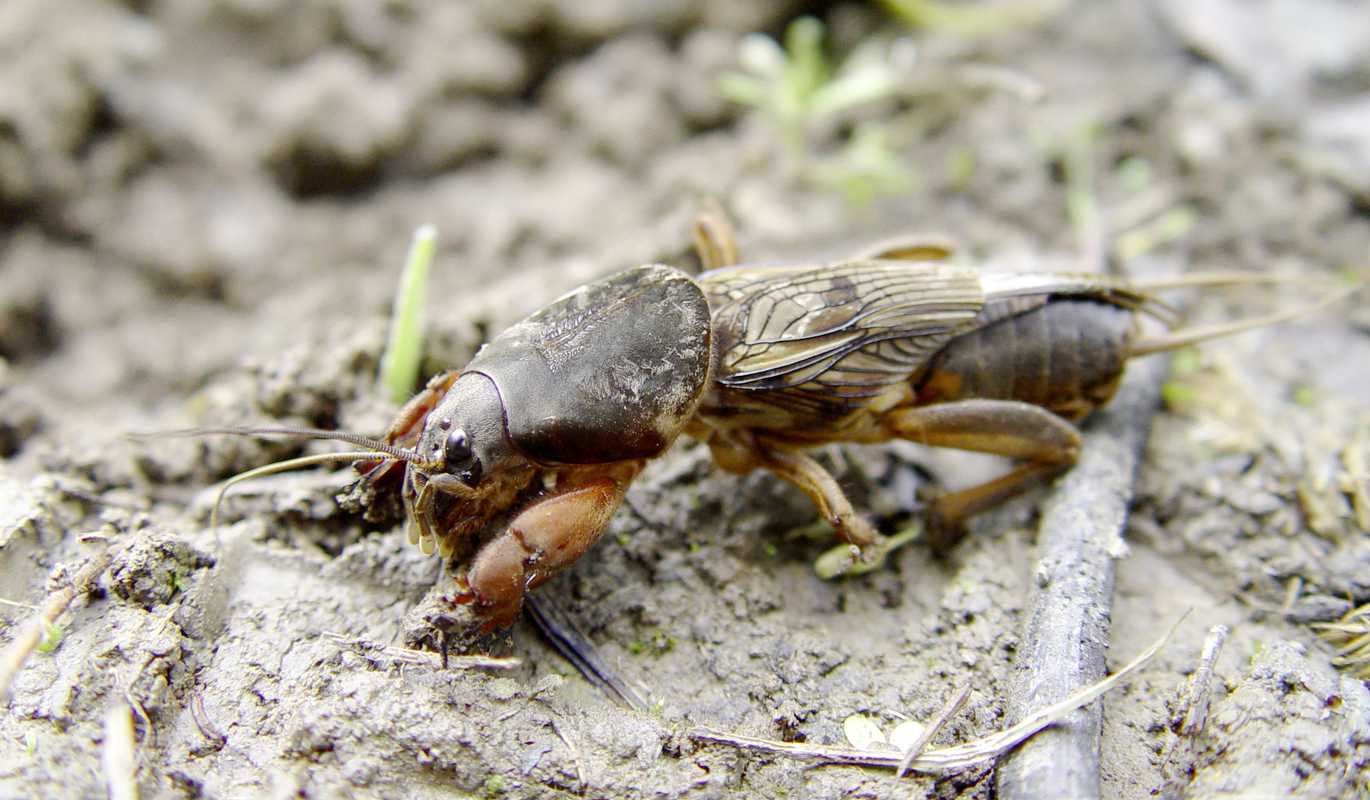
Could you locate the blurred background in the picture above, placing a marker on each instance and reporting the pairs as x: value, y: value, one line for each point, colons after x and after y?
x: 204, y: 209
x: 169, y: 171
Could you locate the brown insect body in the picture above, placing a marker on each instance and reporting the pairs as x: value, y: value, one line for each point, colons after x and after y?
x: 1066, y: 356
x: 553, y: 419
x: 558, y: 414
x: 812, y: 351
x: 872, y: 350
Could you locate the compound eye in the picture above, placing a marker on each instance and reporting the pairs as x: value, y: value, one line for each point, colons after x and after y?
x: 458, y: 450
x: 461, y: 460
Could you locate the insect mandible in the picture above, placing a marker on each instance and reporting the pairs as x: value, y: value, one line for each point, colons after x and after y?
x: 554, y: 418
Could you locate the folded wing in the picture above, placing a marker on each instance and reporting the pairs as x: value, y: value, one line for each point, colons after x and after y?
x: 836, y: 333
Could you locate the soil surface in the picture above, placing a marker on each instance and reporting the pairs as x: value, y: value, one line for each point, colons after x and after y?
x: 203, y: 210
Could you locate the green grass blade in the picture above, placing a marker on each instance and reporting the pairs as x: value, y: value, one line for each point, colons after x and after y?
x: 400, y: 363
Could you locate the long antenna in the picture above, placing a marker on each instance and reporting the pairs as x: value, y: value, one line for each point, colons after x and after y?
x: 283, y: 466
x: 388, y: 450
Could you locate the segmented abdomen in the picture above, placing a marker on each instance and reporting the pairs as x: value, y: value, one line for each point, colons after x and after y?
x: 1065, y: 356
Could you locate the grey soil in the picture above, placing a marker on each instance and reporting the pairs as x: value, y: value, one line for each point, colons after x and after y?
x: 203, y: 208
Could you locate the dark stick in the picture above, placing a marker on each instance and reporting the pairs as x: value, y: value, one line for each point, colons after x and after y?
x: 1066, y: 635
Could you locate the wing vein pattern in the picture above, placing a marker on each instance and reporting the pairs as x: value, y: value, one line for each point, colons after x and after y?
x: 823, y: 336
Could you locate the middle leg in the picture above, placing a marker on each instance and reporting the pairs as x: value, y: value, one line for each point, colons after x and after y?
x: 867, y: 547
x: 815, y: 481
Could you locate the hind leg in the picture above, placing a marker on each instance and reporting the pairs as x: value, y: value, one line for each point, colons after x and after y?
x: 913, y: 247
x: 714, y: 238
x: 1048, y: 444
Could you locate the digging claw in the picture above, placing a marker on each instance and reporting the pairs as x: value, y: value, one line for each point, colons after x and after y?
x: 443, y: 624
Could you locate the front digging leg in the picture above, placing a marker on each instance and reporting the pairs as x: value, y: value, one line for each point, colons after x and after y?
x: 544, y: 539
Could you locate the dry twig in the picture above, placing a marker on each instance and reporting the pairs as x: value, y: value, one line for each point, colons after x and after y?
x: 575, y: 751
x: 204, y: 724
x: 1351, y: 636
x: 24, y: 644
x: 944, y: 759
x: 117, y: 757
x: 383, y: 655
x: 562, y: 633
x: 949, y: 710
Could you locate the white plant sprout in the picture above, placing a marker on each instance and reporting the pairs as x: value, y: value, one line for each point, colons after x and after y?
x: 867, y: 167
x: 798, y: 90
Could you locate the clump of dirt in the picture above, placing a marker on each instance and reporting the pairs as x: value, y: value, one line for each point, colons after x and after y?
x: 154, y: 568
x: 204, y: 208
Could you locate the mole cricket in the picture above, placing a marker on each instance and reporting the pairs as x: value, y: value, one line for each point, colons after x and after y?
x: 554, y: 418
